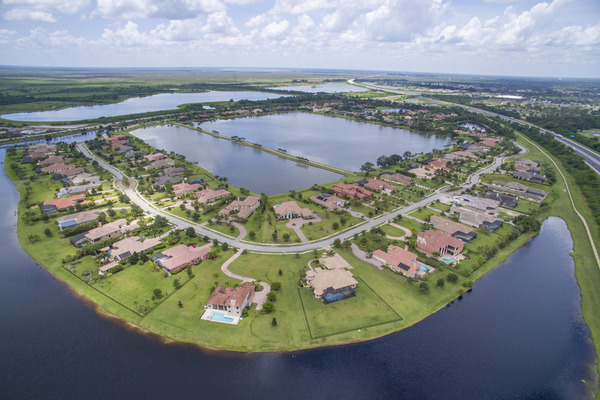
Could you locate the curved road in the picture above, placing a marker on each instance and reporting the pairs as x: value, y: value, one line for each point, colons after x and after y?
x: 137, y: 199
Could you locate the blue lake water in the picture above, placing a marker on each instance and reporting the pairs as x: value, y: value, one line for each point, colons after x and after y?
x: 518, y: 335
x: 333, y: 141
x: 324, y: 88
x: 245, y: 167
x: 157, y: 102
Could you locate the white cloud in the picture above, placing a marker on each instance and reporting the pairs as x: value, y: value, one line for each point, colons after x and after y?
x: 19, y: 14
x: 274, y: 29
x: 42, y: 38
x: 127, y: 36
x: 171, y: 9
x: 5, y: 35
x: 41, y: 10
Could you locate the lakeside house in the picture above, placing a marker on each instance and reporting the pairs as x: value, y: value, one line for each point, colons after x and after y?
x: 184, y: 188
x: 37, y: 151
x: 62, y: 203
x: 477, y: 219
x: 110, y: 230
x: 57, y: 167
x: 376, y: 185
x: 436, y: 242
x: 153, y: 157
x: 76, y: 219
x: 402, y: 261
x: 162, y: 163
x: 330, y: 202
x: 243, y: 207
x: 396, y: 178
x: 422, y: 173
x: 519, y: 190
x: 352, y: 191
x: 209, y: 195
x: 476, y: 203
x: 173, y: 171
x: 454, y: 229
x: 331, y: 284
x: 291, y: 209
x: 162, y: 180
x: 180, y: 256
x: 504, y: 199
x: 50, y: 160
x: 226, y: 305
x: 123, y: 249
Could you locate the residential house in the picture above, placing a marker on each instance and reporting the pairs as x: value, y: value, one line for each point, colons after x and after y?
x: 401, y: 261
x: 160, y: 181
x: 291, y: 209
x: 331, y: 284
x: 504, y: 199
x: 71, y: 172
x: 184, y: 188
x: 154, y: 157
x: 57, y: 167
x: 127, y: 247
x: 231, y: 301
x: 454, y: 229
x: 377, y: 185
x: 72, y: 190
x: 209, y: 195
x: 396, y: 178
x: 526, y: 164
x: 476, y: 203
x: 477, y: 219
x: 162, y: 163
x: 519, y: 190
x: 422, y: 173
x: 352, y: 190
x: 109, y: 230
x: 330, y: 202
x: 243, y: 207
x: 529, y: 176
x: 437, y: 164
x: 76, y: 219
x: 180, y: 256
x: 430, y: 242
x: 54, y: 205
x: 50, y: 160
x: 465, y: 155
x: 85, y: 177
x: 173, y: 171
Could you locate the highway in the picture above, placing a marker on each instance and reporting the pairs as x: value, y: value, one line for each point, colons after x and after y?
x: 137, y: 199
x: 591, y: 158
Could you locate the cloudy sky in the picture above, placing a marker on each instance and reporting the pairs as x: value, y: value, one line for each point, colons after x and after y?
x: 508, y: 37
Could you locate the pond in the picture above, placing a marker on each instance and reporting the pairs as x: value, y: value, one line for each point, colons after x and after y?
x: 339, y: 142
x: 157, y: 102
x: 243, y: 166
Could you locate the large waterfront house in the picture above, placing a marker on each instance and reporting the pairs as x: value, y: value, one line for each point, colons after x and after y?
x: 180, y: 256
x: 243, y: 207
x: 225, y: 305
x: 291, y: 209
x: 401, y: 261
x: 352, y: 191
x: 328, y: 201
x: 331, y: 284
x: 439, y: 243
x: 454, y: 229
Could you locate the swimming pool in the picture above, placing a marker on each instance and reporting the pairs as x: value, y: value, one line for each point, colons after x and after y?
x: 220, y: 317
x: 449, y: 260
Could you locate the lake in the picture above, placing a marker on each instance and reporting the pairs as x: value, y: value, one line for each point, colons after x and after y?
x: 157, y: 102
x: 519, y: 334
x: 340, y: 142
x: 245, y: 167
x: 324, y: 88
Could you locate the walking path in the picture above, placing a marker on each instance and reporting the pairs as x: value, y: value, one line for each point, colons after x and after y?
x: 257, y: 297
x: 241, y: 229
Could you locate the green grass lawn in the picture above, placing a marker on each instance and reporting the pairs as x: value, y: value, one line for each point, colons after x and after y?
x: 392, y: 231
x: 423, y: 213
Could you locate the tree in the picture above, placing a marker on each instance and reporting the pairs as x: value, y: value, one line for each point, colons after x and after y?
x: 335, y: 226
x: 276, y: 285
x: 424, y: 287
x: 190, y: 232
x: 252, y: 235
x: 367, y: 167
x: 189, y: 271
x: 274, y: 236
x: 274, y: 321
x: 224, y: 246
x: 383, y: 161
x: 441, y: 282
x: 268, y: 307
x: 157, y: 293
x: 180, y: 304
x: 280, y: 272
x: 452, y: 277
x: 286, y: 237
x: 48, y: 232
x: 337, y: 243
x: 176, y: 284
x: 271, y: 296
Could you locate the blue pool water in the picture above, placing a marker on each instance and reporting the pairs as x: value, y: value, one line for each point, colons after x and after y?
x: 448, y: 260
x: 220, y: 317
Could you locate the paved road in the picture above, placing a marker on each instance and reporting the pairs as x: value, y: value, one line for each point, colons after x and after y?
x: 591, y: 158
x: 136, y: 198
